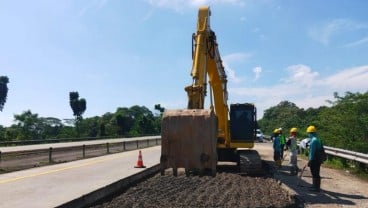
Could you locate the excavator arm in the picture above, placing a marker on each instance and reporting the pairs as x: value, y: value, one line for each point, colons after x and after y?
x: 197, y: 138
x: 207, y: 62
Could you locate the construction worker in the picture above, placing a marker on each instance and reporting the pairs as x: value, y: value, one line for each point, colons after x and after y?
x: 282, y: 142
x: 277, y: 148
x: 315, y: 165
x: 293, y: 151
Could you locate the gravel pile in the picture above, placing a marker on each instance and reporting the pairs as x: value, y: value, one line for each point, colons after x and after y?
x: 224, y: 190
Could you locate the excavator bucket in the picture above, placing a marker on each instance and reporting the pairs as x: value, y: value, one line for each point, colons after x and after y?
x: 188, y: 140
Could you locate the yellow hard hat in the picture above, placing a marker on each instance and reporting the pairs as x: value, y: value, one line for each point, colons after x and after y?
x: 276, y: 131
x: 311, y: 129
x: 293, y: 130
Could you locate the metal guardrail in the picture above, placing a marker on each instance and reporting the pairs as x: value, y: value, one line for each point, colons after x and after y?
x: 346, y: 154
x: 60, y: 140
x: 350, y: 155
x: 19, y: 159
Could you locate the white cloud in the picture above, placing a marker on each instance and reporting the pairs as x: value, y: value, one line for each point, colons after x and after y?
x: 256, y: 30
x: 98, y: 4
x: 363, y: 41
x: 101, y: 3
x: 311, y: 101
x: 170, y: 4
x: 257, y: 72
x: 148, y: 15
x: 259, y: 32
x: 304, y: 87
x: 231, y: 59
x: 237, y: 57
x: 179, y: 5
x: 348, y: 79
x: 324, y: 33
x: 301, y: 74
x: 231, y: 74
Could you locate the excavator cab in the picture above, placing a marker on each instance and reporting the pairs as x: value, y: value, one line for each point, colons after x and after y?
x: 243, y: 123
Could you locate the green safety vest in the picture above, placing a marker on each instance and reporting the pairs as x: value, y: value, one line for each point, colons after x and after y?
x: 282, y: 139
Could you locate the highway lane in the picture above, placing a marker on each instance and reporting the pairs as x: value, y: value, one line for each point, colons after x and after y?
x: 57, y: 184
x: 54, y: 185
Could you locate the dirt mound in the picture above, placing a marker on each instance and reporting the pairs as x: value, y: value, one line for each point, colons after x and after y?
x: 224, y: 190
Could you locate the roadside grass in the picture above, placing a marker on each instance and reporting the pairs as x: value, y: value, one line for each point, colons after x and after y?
x: 358, y: 169
x: 2, y: 171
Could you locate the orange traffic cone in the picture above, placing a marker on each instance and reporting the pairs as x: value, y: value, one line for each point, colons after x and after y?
x: 140, y: 161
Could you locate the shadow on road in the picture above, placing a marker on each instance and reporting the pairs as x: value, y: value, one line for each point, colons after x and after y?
x: 299, y: 186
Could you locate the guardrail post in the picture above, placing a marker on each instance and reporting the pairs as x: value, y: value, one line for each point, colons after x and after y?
x: 84, y: 151
x: 361, y: 165
x: 107, y: 148
x: 147, y: 142
x: 137, y: 144
x: 50, y: 155
x: 156, y: 141
x: 123, y: 146
x: 0, y: 156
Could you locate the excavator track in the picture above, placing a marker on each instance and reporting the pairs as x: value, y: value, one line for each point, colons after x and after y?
x: 250, y: 163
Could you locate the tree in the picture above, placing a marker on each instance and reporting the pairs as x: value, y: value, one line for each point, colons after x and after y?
x: 124, y: 123
x: 108, y: 125
x: 2, y: 133
x: 51, y: 127
x: 11, y: 133
x: 3, y: 91
x: 345, y: 124
x: 285, y: 115
x: 146, y: 124
x: 29, y: 126
x: 159, y: 108
x: 78, y: 105
x: 89, y: 127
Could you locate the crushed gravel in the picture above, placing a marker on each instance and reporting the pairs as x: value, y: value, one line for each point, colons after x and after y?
x: 224, y: 190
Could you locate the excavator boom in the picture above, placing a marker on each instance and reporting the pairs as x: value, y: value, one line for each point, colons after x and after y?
x: 195, y: 138
x: 207, y: 63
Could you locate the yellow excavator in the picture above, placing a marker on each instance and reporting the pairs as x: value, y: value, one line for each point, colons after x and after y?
x: 197, y: 138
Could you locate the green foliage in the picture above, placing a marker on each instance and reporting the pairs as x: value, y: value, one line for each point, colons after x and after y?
x: 89, y: 127
x: 108, y: 125
x: 286, y: 115
x: 78, y: 105
x: 336, y: 163
x: 124, y: 118
x: 136, y: 120
x: 133, y: 121
x: 2, y: 133
x: 356, y: 168
x: 343, y: 125
x: 159, y: 108
x: 3, y: 91
x: 67, y: 132
x: 51, y: 127
x: 28, y: 125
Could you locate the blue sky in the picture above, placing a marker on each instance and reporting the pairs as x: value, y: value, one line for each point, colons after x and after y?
x: 138, y: 52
